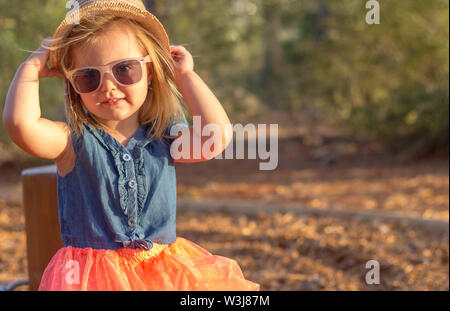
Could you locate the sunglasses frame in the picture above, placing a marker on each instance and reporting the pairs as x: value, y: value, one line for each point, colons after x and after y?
x: 108, y: 69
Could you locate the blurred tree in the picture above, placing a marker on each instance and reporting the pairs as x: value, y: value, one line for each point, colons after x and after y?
x: 23, y: 26
x: 387, y: 81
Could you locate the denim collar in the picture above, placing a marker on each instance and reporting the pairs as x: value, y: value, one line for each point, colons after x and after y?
x: 141, y: 138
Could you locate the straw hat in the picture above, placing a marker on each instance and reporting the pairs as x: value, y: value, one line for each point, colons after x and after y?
x: 133, y: 9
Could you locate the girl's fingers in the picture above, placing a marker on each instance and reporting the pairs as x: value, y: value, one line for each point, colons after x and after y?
x: 178, y: 51
x: 44, y: 46
x: 49, y: 73
x: 177, y: 48
x: 44, y: 72
x: 40, y: 57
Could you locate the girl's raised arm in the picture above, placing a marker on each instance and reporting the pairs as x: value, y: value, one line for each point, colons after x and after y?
x: 202, y: 103
x: 22, y: 115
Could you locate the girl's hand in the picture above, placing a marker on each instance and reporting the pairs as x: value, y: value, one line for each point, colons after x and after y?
x: 183, y: 60
x: 38, y: 59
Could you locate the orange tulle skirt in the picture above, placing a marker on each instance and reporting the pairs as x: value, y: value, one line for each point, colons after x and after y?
x: 180, y: 266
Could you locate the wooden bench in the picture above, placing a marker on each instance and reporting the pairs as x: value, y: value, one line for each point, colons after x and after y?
x: 41, y: 220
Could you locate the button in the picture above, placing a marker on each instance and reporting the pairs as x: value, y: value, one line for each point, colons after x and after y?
x: 126, y: 157
x: 132, y: 184
x: 131, y: 222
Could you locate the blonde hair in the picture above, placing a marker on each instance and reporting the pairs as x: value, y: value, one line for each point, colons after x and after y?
x: 161, y: 107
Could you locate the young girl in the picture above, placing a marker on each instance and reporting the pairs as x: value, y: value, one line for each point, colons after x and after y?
x: 116, y: 176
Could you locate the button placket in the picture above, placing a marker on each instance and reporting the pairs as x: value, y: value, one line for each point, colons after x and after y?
x: 130, y: 185
x: 130, y: 166
x: 142, y: 190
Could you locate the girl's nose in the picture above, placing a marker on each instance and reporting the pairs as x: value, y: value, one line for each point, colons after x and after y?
x: 108, y: 83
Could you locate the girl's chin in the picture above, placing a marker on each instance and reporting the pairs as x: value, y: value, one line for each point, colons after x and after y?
x: 113, y: 116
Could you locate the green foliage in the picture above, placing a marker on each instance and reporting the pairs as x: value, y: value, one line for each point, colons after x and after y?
x: 23, y: 26
x: 386, y: 81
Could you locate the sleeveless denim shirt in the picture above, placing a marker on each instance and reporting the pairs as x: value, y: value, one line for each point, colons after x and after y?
x: 117, y: 196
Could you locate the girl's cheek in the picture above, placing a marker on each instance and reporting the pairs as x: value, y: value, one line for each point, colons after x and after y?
x: 136, y: 93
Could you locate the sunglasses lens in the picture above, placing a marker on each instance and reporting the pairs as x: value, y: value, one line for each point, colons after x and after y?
x: 86, y: 80
x: 128, y: 72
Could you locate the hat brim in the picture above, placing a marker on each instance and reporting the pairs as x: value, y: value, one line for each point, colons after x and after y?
x: 147, y: 19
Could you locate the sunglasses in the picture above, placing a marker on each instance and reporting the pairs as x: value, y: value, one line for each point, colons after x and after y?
x: 126, y: 72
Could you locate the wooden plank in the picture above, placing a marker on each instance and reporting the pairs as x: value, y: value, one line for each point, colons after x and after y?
x: 41, y: 220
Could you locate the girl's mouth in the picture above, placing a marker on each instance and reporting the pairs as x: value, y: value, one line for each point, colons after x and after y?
x: 113, y: 101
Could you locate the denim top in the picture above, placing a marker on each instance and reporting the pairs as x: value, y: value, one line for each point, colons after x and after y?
x: 117, y: 196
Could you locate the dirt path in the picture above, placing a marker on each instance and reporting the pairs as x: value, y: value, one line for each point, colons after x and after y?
x: 285, y: 252
x: 336, y: 175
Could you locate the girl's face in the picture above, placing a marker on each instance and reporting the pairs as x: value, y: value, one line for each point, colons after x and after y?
x: 115, y: 43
